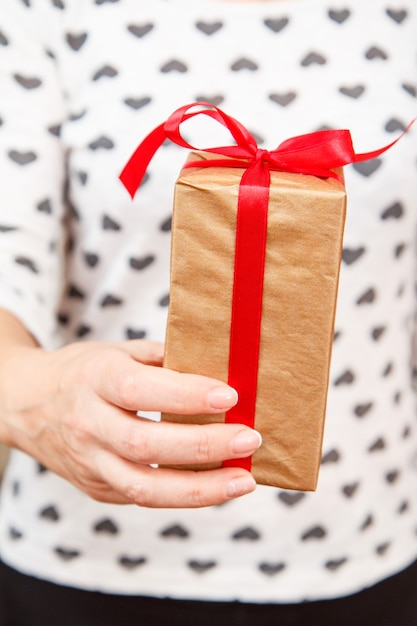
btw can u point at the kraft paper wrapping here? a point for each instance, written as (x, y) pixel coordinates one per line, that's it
(304, 245)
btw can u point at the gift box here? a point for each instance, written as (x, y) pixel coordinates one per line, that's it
(305, 223)
(256, 250)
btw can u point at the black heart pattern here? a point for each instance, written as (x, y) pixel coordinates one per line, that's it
(74, 117)
(200, 567)
(45, 206)
(382, 548)
(316, 532)
(271, 569)
(410, 89)
(362, 409)
(406, 432)
(350, 255)
(106, 70)
(28, 82)
(166, 225)
(377, 332)
(58, 4)
(209, 28)
(55, 130)
(392, 477)
(82, 330)
(141, 263)
(353, 92)
(140, 30)
(3, 39)
(174, 66)
(277, 24)
(291, 498)
(367, 297)
(398, 15)
(399, 250)
(63, 319)
(82, 177)
(106, 526)
(101, 143)
(76, 41)
(347, 378)
(350, 490)
(110, 300)
(313, 58)
(22, 158)
(110, 224)
(14, 533)
(339, 16)
(164, 301)
(283, 99)
(75, 293)
(333, 456)
(394, 211)
(216, 100)
(176, 530)
(394, 124)
(244, 64)
(137, 103)
(379, 444)
(91, 259)
(50, 513)
(135, 333)
(7, 229)
(388, 370)
(376, 53)
(369, 521)
(248, 533)
(66, 554)
(335, 564)
(367, 168)
(404, 506)
(25, 261)
(131, 563)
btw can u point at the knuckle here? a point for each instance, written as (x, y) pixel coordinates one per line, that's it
(139, 494)
(197, 498)
(180, 395)
(203, 447)
(137, 445)
(126, 387)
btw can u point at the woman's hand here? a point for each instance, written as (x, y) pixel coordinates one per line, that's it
(74, 410)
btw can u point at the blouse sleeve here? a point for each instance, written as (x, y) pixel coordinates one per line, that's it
(32, 169)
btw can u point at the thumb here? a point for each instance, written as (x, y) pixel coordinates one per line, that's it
(144, 351)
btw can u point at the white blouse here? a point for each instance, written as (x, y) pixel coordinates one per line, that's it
(81, 83)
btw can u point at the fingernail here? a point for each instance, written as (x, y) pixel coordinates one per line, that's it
(222, 397)
(246, 441)
(240, 486)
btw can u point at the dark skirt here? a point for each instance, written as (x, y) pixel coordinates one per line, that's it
(27, 601)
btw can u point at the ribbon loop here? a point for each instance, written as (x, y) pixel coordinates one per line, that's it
(317, 154)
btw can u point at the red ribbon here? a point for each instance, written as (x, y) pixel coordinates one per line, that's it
(316, 154)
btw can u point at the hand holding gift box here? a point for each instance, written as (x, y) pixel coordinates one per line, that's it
(256, 249)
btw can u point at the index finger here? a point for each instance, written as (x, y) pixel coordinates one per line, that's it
(134, 386)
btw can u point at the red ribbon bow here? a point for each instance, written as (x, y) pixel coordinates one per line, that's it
(316, 154)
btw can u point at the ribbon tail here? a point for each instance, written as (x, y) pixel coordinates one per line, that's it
(134, 170)
(365, 156)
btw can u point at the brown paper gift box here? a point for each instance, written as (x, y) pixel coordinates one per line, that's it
(306, 218)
